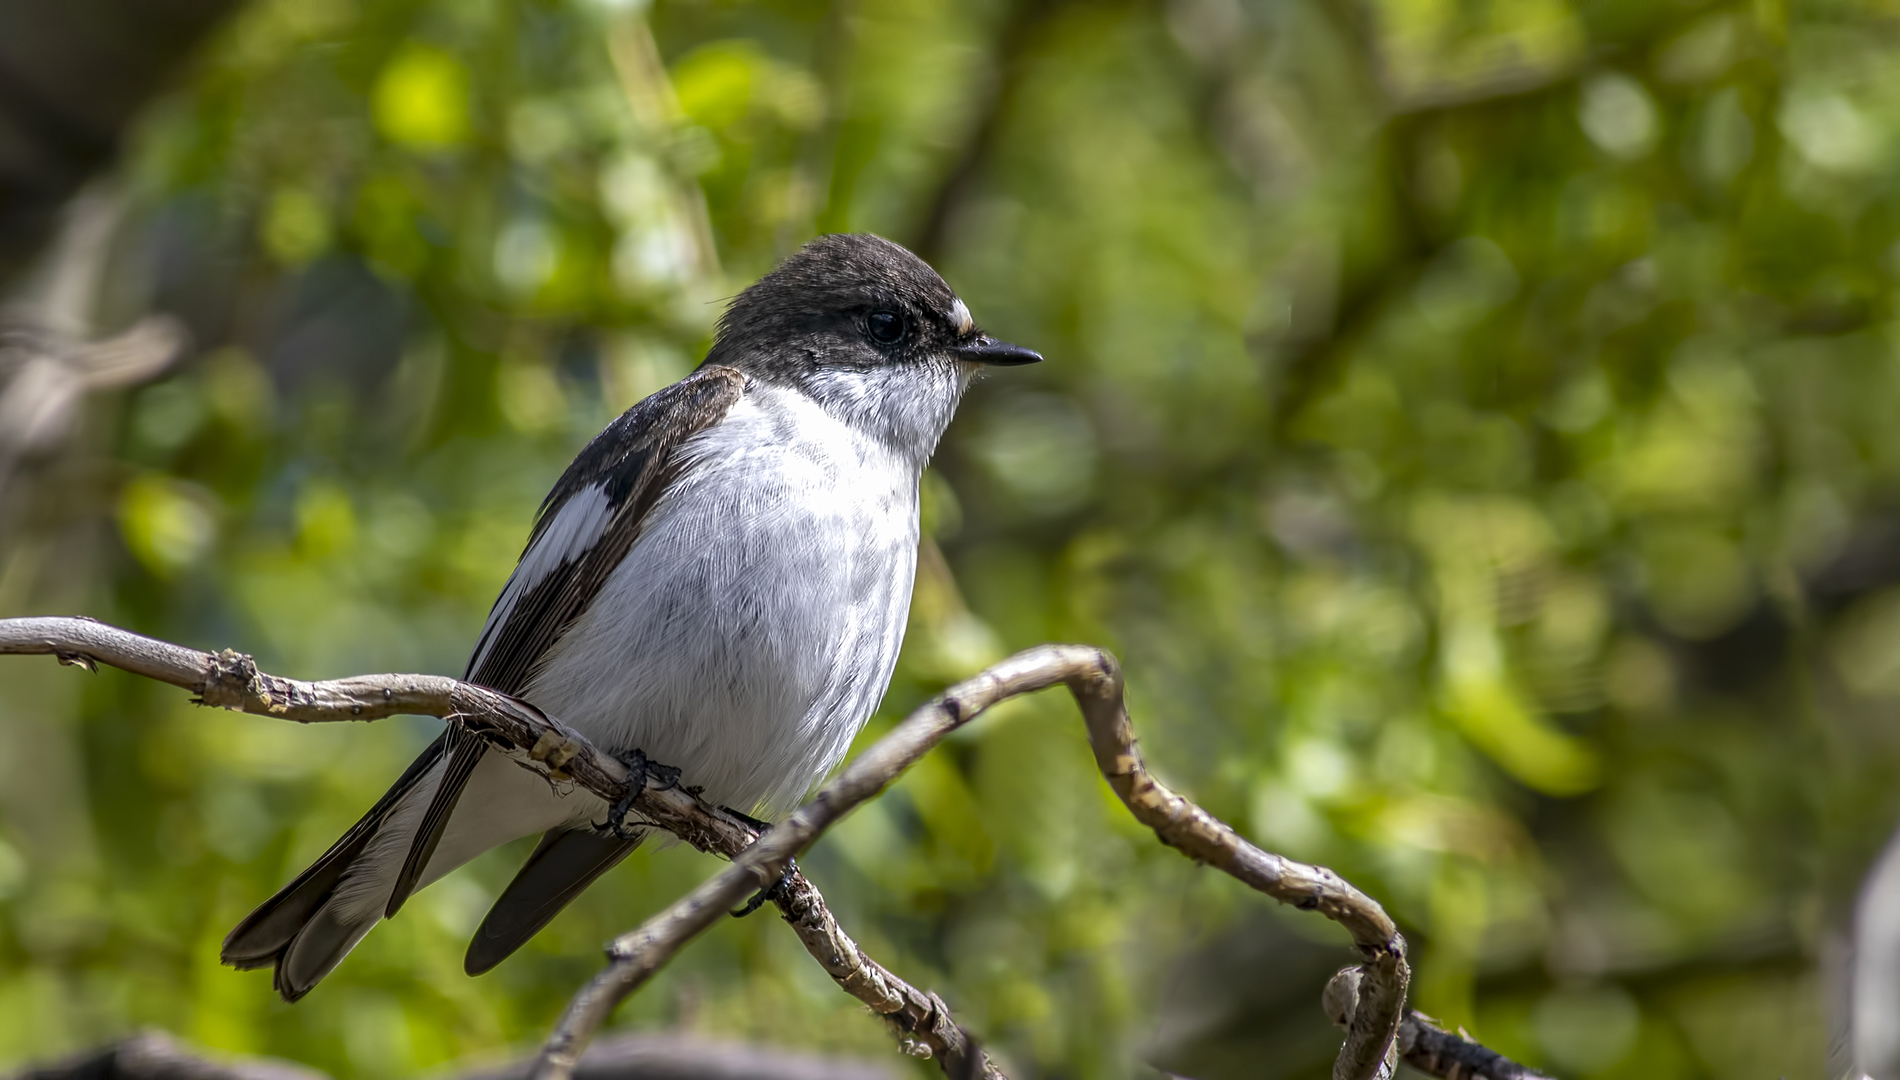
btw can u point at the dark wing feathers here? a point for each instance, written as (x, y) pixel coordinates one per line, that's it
(464, 753)
(633, 461)
(567, 861)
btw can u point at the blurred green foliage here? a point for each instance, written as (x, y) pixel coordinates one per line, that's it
(1473, 424)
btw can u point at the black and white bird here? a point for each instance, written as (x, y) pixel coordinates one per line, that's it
(720, 581)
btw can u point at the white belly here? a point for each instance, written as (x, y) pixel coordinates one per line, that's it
(754, 625)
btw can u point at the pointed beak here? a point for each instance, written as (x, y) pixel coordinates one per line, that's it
(984, 349)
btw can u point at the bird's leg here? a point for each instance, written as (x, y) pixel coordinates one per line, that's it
(641, 773)
(770, 892)
(638, 770)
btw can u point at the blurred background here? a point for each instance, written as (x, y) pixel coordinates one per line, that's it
(1475, 425)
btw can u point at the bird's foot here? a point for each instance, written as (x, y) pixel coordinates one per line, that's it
(639, 771)
(770, 892)
(660, 777)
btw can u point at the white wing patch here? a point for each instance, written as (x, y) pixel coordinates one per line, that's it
(576, 526)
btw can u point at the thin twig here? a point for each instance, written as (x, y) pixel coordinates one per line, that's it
(538, 742)
(1372, 1029)
(926, 1025)
(232, 680)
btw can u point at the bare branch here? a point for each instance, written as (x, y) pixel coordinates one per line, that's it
(1180, 824)
(924, 1022)
(1376, 1001)
(1094, 679)
(232, 680)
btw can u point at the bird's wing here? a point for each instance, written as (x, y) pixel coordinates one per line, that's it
(585, 528)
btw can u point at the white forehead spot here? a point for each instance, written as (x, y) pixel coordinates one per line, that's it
(962, 315)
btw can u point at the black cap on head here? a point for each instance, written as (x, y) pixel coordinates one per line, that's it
(851, 300)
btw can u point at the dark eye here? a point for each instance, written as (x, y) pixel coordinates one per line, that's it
(887, 327)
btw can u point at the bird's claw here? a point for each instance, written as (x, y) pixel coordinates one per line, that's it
(770, 892)
(639, 771)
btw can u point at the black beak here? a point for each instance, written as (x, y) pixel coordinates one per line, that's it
(985, 349)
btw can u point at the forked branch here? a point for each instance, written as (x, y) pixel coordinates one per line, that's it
(540, 743)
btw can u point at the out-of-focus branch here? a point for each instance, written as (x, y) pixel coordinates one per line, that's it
(154, 1055)
(71, 77)
(48, 362)
(1016, 37)
(44, 375)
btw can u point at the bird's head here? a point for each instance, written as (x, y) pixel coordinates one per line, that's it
(866, 328)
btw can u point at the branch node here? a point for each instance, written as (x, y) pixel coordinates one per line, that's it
(555, 750)
(76, 659)
(231, 681)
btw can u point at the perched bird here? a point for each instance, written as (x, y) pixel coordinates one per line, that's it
(719, 581)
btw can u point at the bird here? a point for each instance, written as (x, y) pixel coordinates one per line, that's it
(719, 582)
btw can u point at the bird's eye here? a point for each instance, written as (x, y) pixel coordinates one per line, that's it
(887, 327)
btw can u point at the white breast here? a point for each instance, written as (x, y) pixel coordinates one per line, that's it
(754, 625)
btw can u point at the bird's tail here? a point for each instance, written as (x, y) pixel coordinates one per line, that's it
(312, 923)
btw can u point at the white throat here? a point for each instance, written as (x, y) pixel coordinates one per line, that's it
(905, 407)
